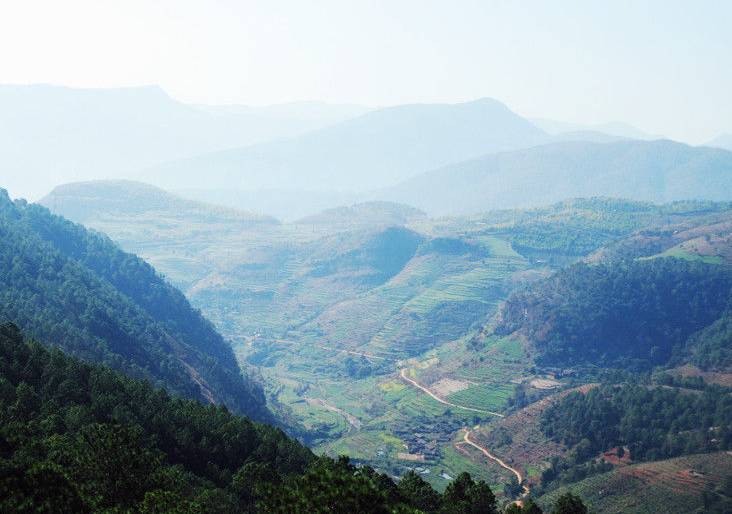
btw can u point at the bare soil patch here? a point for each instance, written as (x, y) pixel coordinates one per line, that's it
(518, 440)
(711, 377)
(446, 386)
(413, 457)
(544, 383)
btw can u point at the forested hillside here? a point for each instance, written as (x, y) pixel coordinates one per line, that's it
(652, 422)
(626, 314)
(76, 437)
(73, 288)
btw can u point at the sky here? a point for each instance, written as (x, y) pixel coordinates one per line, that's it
(662, 66)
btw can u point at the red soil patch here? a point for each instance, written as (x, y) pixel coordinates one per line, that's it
(528, 445)
(682, 481)
(710, 377)
(611, 456)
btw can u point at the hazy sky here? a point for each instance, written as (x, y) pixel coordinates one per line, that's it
(664, 66)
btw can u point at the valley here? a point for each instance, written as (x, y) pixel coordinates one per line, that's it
(365, 257)
(373, 329)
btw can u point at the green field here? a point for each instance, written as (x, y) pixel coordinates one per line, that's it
(294, 327)
(681, 253)
(483, 396)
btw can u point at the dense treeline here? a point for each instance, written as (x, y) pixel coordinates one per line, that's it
(628, 314)
(578, 227)
(68, 286)
(712, 346)
(85, 437)
(649, 422)
(77, 437)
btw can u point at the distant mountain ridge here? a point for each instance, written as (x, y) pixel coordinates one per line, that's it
(657, 171)
(616, 129)
(53, 134)
(373, 150)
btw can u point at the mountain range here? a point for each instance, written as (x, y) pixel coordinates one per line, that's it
(657, 171)
(53, 134)
(376, 149)
(293, 160)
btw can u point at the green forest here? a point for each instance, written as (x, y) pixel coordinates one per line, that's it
(68, 286)
(650, 422)
(628, 314)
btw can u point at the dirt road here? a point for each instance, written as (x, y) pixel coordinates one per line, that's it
(466, 437)
(350, 418)
(499, 461)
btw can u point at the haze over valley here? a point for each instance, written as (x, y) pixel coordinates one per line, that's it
(366, 257)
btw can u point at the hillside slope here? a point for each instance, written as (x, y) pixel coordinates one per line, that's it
(81, 438)
(706, 237)
(657, 171)
(367, 214)
(76, 437)
(65, 285)
(684, 485)
(84, 201)
(628, 314)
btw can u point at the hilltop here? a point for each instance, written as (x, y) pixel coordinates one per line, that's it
(84, 201)
(364, 215)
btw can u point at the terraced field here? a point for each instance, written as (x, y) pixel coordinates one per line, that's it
(327, 312)
(483, 396)
(298, 329)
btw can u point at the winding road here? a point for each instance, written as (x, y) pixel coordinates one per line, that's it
(466, 436)
(499, 461)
